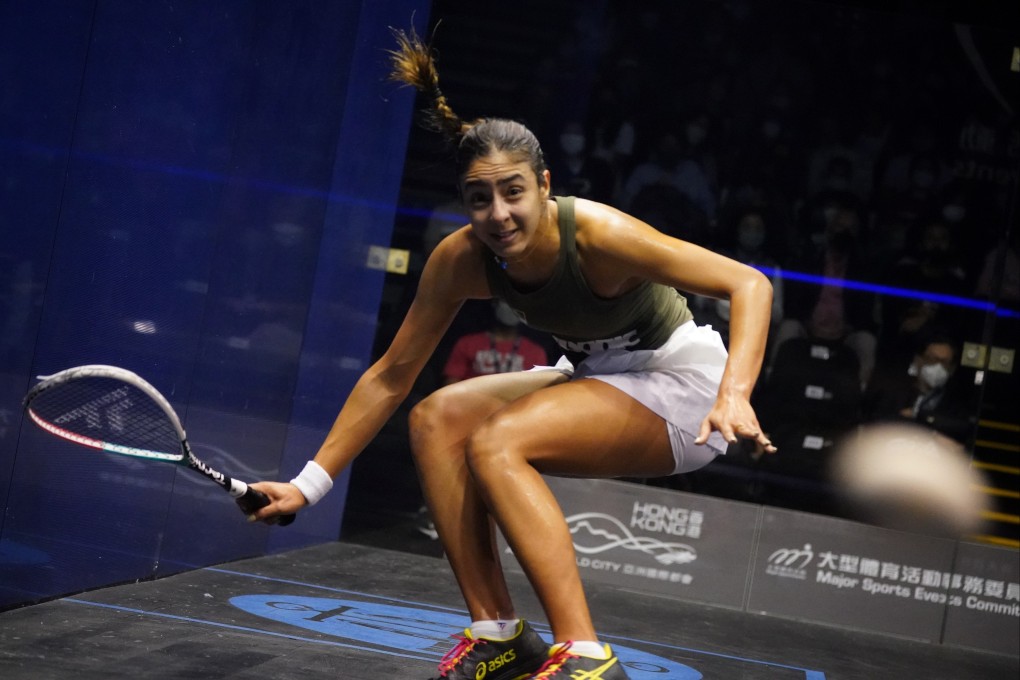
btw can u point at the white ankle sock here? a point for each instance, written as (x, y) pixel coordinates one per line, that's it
(589, 648)
(497, 629)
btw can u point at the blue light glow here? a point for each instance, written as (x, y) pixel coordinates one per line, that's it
(893, 291)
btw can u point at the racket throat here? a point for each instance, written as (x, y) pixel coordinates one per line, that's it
(234, 487)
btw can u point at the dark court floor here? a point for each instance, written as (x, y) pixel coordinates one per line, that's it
(351, 611)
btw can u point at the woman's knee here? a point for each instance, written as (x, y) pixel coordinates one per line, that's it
(426, 421)
(443, 417)
(490, 448)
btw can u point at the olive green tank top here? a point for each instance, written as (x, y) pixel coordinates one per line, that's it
(581, 322)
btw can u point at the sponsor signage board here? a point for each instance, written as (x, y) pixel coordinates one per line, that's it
(791, 564)
(985, 605)
(849, 574)
(656, 540)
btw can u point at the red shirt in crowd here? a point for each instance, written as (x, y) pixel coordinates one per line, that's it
(482, 354)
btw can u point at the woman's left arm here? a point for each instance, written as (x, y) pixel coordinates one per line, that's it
(750, 298)
(617, 248)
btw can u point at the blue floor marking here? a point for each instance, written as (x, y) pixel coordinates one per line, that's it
(245, 629)
(809, 674)
(335, 590)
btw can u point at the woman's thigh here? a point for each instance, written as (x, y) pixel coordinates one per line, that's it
(450, 414)
(584, 427)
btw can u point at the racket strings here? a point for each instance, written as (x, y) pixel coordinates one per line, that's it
(110, 411)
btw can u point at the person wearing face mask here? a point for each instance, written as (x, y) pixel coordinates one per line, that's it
(669, 165)
(499, 349)
(578, 171)
(925, 393)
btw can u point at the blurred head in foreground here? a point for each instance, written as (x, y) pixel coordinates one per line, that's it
(910, 478)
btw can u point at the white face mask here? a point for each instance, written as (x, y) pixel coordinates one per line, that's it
(934, 375)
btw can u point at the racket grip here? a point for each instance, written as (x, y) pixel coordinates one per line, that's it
(251, 500)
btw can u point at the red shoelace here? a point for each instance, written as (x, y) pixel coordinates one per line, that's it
(555, 662)
(453, 657)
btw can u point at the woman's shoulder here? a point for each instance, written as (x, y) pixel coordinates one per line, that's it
(599, 223)
(458, 259)
(458, 245)
(592, 214)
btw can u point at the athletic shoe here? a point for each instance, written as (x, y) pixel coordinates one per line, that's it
(424, 524)
(566, 665)
(513, 659)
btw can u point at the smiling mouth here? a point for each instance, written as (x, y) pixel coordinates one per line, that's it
(504, 237)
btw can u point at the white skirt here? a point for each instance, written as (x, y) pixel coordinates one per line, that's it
(679, 382)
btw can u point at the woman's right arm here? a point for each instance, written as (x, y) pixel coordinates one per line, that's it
(455, 272)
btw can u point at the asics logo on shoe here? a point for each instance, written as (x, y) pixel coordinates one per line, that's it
(486, 667)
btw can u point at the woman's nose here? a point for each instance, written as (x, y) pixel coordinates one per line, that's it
(500, 210)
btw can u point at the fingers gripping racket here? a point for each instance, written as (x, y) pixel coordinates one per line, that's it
(114, 410)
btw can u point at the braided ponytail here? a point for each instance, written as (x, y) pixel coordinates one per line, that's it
(413, 64)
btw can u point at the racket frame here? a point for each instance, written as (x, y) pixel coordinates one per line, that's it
(236, 488)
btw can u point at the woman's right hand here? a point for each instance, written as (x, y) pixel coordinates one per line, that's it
(284, 499)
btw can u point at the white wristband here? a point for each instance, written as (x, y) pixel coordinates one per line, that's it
(313, 482)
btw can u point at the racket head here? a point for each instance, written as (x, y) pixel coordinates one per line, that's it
(108, 408)
(112, 409)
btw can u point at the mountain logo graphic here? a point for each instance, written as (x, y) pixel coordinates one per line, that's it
(596, 532)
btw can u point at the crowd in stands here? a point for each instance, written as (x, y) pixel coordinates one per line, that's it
(827, 141)
(853, 156)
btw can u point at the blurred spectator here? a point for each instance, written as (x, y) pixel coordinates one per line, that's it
(665, 165)
(576, 171)
(929, 265)
(700, 147)
(500, 349)
(910, 183)
(611, 127)
(827, 311)
(918, 165)
(972, 229)
(671, 212)
(749, 244)
(771, 146)
(999, 279)
(848, 175)
(872, 136)
(835, 191)
(926, 392)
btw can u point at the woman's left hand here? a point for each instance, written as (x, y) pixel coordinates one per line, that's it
(733, 417)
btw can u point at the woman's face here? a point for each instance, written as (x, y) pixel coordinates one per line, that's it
(505, 202)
